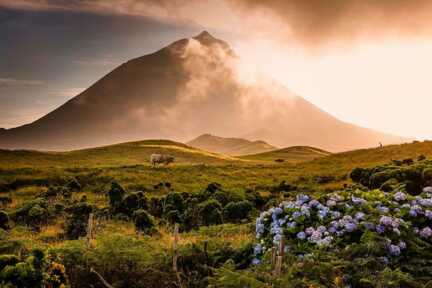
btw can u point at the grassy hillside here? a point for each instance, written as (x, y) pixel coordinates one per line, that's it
(230, 146)
(293, 154)
(117, 249)
(132, 153)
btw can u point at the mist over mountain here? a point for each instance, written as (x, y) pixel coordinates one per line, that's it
(193, 86)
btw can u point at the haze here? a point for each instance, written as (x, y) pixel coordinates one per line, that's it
(372, 70)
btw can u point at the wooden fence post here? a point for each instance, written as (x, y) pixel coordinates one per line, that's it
(279, 259)
(90, 230)
(273, 257)
(175, 254)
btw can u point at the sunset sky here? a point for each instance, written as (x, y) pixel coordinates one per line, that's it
(366, 62)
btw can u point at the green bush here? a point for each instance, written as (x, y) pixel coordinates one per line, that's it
(144, 222)
(427, 175)
(4, 220)
(237, 211)
(36, 216)
(77, 220)
(210, 212)
(115, 195)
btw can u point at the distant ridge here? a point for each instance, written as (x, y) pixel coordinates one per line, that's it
(294, 154)
(230, 146)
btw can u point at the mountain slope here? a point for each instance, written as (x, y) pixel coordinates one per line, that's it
(230, 146)
(293, 154)
(185, 89)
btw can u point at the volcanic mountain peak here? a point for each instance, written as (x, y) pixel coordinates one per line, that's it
(183, 90)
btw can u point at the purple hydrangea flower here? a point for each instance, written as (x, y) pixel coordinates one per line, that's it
(316, 236)
(256, 261)
(400, 196)
(380, 229)
(427, 189)
(358, 201)
(369, 226)
(350, 226)
(386, 220)
(383, 209)
(309, 230)
(359, 215)
(296, 214)
(394, 250)
(402, 245)
(426, 232)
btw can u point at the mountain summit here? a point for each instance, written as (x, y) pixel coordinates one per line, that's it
(190, 87)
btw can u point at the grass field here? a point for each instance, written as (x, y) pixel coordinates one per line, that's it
(26, 174)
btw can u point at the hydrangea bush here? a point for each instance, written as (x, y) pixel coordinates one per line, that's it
(392, 221)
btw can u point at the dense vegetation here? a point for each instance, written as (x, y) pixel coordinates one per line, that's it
(47, 199)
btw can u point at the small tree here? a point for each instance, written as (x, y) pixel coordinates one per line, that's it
(210, 212)
(36, 215)
(77, 220)
(237, 211)
(144, 222)
(116, 194)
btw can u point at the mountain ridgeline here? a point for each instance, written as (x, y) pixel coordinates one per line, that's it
(186, 89)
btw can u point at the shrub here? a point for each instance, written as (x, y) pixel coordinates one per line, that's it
(360, 175)
(4, 220)
(389, 185)
(36, 216)
(427, 175)
(210, 212)
(116, 194)
(213, 187)
(144, 222)
(130, 203)
(73, 185)
(237, 211)
(77, 220)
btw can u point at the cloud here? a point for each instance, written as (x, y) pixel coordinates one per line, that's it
(9, 82)
(317, 22)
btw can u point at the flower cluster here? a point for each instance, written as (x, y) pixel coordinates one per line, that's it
(340, 218)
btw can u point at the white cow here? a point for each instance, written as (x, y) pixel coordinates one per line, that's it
(161, 159)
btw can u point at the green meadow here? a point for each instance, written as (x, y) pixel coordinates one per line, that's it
(214, 198)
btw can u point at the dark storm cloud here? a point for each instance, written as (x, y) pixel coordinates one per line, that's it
(324, 21)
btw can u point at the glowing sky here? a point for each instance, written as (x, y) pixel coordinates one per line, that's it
(365, 63)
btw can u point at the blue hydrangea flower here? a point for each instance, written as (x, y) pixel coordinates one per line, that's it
(301, 235)
(257, 249)
(301, 198)
(350, 226)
